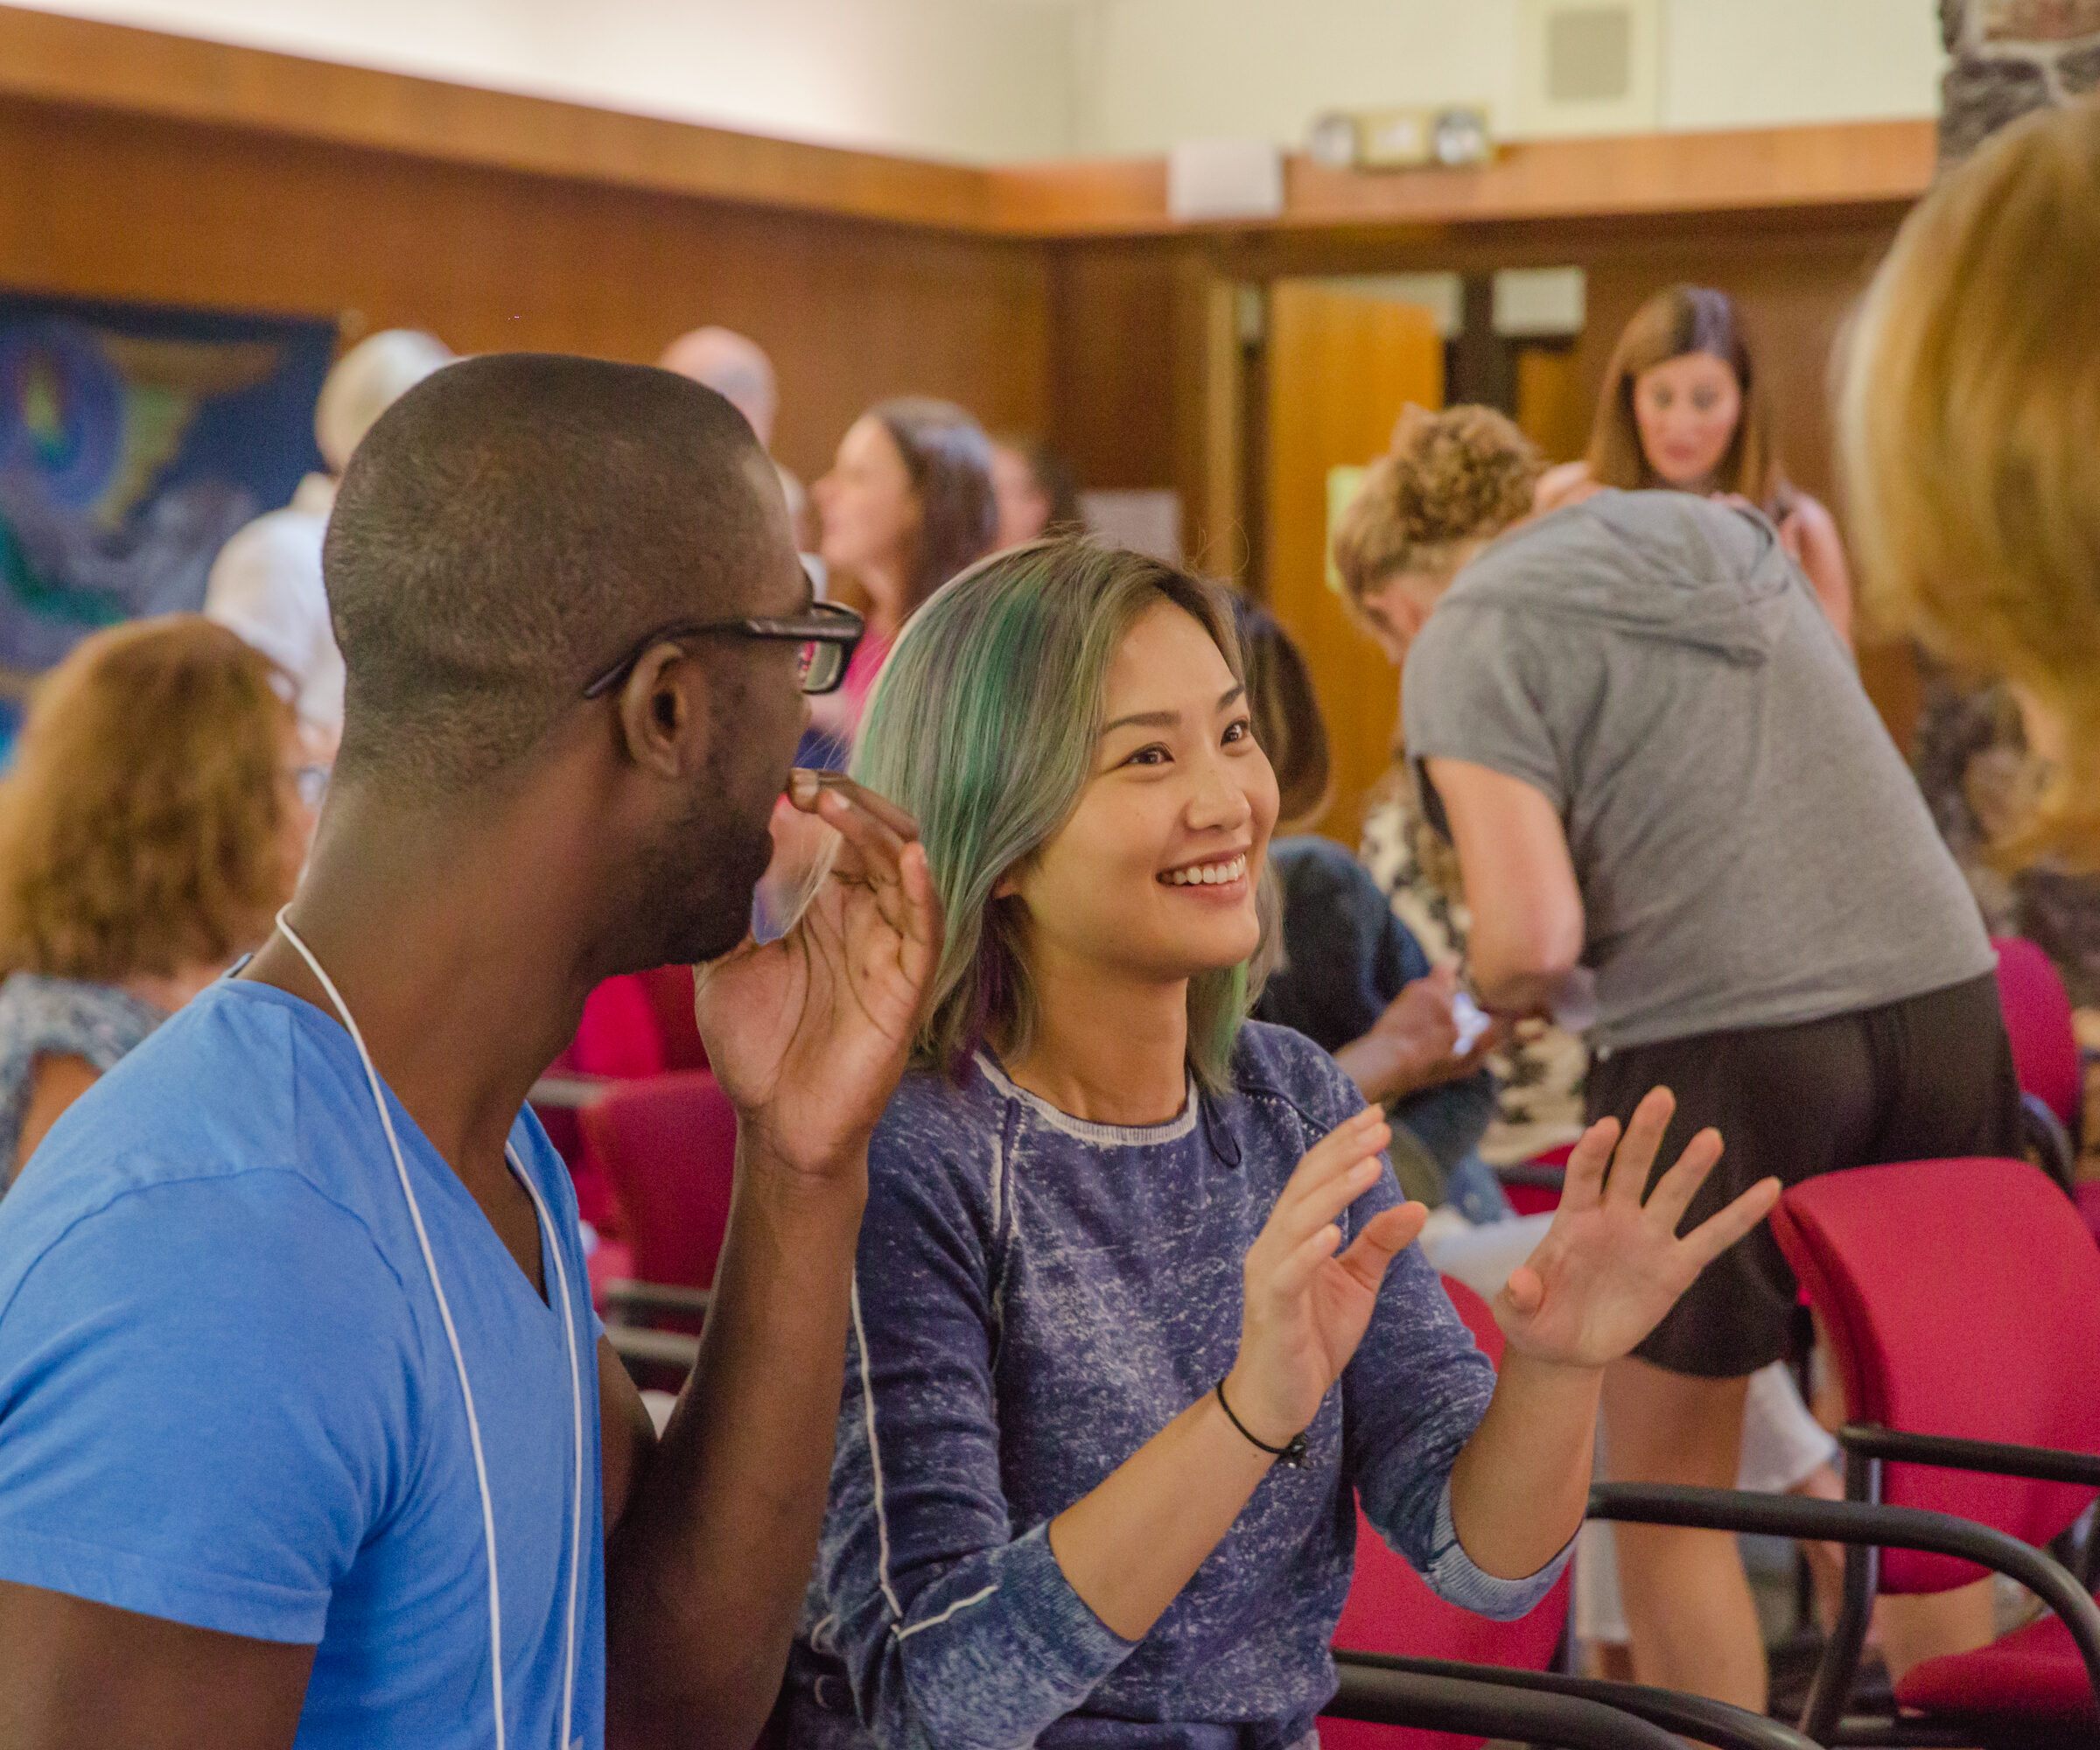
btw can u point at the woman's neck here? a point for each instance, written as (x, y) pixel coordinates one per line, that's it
(886, 584)
(1110, 1050)
(169, 991)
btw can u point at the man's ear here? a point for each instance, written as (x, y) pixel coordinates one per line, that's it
(660, 711)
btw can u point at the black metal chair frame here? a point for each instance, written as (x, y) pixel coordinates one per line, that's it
(1541, 1707)
(648, 1352)
(1867, 1526)
(2048, 1141)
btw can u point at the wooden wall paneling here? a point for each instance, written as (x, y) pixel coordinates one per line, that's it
(125, 206)
(1112, 322)
(1550, 404)
(1341, 368)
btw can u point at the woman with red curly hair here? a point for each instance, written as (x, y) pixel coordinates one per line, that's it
(156, 816)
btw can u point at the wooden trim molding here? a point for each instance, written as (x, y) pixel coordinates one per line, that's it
(1834, 165)
(51, 59)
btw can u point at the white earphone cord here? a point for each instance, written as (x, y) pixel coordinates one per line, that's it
(466, 1393)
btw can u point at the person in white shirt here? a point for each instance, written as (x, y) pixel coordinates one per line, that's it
(266, 583)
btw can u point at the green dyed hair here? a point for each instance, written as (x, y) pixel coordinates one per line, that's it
(983, 725)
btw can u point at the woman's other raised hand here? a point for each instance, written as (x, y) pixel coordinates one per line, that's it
(1613, 1263)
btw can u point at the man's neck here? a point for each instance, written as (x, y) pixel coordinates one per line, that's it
(1108, 1048)
(447, 946)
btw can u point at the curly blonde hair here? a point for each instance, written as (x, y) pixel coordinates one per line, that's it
(142, 825)
(1462, 475)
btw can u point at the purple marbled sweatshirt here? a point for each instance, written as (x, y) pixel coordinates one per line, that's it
(1035, 1298)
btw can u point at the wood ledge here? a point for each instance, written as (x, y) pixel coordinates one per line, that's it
(48, 58)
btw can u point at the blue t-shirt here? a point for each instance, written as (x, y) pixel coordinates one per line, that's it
(226, 1397)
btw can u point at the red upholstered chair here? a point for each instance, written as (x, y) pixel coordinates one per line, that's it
(616, 1038)
(1961, 1302)
(1401, 1652)
(1391, 1610)
(620, 1034)
(669, 990)
(1534, 1187)
(669, 1143)
(2045, 1053)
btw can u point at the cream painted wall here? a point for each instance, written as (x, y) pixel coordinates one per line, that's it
(974, 80)
(995, 79)
(1155, 71)
(1759, 63)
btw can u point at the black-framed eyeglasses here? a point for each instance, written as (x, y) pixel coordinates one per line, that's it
(826, 632)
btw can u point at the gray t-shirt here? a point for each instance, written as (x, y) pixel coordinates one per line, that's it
(1751, 849)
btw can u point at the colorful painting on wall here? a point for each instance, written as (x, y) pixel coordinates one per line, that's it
(133, 441)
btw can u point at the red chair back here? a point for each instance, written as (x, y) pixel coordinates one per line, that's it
(1961, 1298)
(669, 1145)
(670, 989)
(2038, 1021)
(1391, 1610)
(619, 1034)
(1538, 1200)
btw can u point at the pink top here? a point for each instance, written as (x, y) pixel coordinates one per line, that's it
(868, 655)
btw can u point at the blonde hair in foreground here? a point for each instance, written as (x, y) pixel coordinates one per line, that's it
(1464, 474)
(983, 727)
(141, 828)
(1969, 435)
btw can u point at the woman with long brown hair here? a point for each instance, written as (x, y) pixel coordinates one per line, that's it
(1685, 407)
(907, 504)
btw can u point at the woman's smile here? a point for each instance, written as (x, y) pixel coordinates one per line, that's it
(1218, 878)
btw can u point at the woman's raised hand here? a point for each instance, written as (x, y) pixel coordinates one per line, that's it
(1306, 1309)
(1612, 1265)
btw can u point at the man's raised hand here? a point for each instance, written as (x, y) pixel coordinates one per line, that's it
(809, 1034)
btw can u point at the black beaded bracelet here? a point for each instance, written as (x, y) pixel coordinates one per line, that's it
(1291, 1452)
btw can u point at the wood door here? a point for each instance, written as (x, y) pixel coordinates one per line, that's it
(1339, 368)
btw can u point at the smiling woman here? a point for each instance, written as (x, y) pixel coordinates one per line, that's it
(973, 731)
(1126, 1252)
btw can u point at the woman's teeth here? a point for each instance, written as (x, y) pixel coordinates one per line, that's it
(1206, 874)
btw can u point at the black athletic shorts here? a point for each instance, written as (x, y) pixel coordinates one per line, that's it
(1928, 1078)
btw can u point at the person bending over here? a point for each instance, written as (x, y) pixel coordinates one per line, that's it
(1683, 407)
(1135, 1307)
(1449, 483)
(1673, 804)
(307, 1432)
(160, 810)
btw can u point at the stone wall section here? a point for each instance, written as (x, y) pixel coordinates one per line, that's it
(2012, 56)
